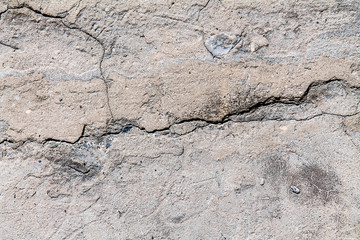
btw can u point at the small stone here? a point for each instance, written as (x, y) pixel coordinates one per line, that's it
(53, 145)
(126, 128)
(258, 42)
(295, 189)
(78, 166)
(262, 181)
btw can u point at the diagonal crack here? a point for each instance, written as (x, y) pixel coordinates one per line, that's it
(206, 4)
(9, 46)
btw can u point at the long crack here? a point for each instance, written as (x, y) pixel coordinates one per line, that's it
(270, 101)
(24, 5)
(296, 101)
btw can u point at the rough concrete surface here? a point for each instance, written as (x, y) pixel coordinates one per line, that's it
(206, 119)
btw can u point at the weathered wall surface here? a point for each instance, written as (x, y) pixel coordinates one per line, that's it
(179, 119)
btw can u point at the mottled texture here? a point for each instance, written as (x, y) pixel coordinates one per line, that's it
(187, 119)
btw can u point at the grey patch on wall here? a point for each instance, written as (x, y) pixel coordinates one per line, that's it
(317, 185)
(74, 161)
(3, 127)
(275, 167)
(221, 44)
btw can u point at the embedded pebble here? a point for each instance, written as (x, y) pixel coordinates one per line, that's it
(221, 44)
(295, 189)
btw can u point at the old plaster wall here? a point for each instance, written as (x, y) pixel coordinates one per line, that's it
(179, 119)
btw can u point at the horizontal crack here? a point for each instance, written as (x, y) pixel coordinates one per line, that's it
(267, 103)
(296, 101)
(24, 5)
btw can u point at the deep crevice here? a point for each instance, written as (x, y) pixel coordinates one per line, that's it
(267, 102)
